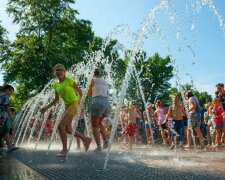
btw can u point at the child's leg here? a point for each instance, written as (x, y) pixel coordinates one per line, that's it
(189, 139)
(148, 135)
(78, 143)
(131, 139)
(223, 136)
(169, 136)
(163, 134)
(199, 135)
(120, 140)
(185, 132)
(217, 136)
(214, 138)
(208, 134)
(8, 141)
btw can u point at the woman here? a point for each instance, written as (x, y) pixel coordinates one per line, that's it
(65, 88)
(99, 109)
(195, 119)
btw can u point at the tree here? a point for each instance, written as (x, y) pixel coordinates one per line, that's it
(118, 65)
(49, 34)
(4, 44)
(154, 73)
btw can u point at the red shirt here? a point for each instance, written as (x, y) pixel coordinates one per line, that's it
(218, 111)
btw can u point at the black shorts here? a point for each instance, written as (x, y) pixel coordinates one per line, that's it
(185, 121)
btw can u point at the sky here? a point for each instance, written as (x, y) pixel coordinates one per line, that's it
(207, 53)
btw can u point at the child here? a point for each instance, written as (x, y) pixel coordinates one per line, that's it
(223, 137)
(211, 125)
(108, 127)
(131, 126)
(138, 123)
(120, 128)
(176, 113)
(159, 113)
(149, 130)
(218, 119)
(48, 127)
(5, 114)
(208, 116)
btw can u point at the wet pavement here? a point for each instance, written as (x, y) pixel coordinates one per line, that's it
(11, 169)
(141, 163)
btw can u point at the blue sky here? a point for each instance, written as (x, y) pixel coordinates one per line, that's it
(209, 47)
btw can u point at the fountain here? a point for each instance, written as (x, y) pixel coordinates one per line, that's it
(83, 72)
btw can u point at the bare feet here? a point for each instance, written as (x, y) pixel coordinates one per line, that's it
(87, 143)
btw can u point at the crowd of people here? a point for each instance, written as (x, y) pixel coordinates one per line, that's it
(176, 126)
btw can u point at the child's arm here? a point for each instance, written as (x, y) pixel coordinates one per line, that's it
(55, 101)
(169, 114)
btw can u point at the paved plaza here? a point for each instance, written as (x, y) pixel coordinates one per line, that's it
(141, 163)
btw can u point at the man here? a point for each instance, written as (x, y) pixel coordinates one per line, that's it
(5, 116)
(99, 109)
(220, 92)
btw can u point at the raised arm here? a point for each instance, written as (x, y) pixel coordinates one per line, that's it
(192, 105)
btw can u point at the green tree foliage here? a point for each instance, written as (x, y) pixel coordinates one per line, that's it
(203, 97)
(49, 34)
(118, 64)
(4, 44)
(155, 73)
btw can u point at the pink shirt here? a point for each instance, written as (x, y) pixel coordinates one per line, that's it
(161, 114)
(218, 111)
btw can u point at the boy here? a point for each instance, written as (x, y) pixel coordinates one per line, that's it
(5, 114)
(131, 128)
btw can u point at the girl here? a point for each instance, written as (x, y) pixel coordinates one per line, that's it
(161, 117)
(208, 115)
(195, 119)
(218, 119)
(65, 88)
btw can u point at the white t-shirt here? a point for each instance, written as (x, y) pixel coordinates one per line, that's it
(100, 88)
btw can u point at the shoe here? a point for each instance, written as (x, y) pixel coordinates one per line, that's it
(61, 154)
(106, 145)
(13, 149)
(98, 149)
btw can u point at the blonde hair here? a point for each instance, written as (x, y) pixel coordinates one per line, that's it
(131, 103)
(59, 66)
